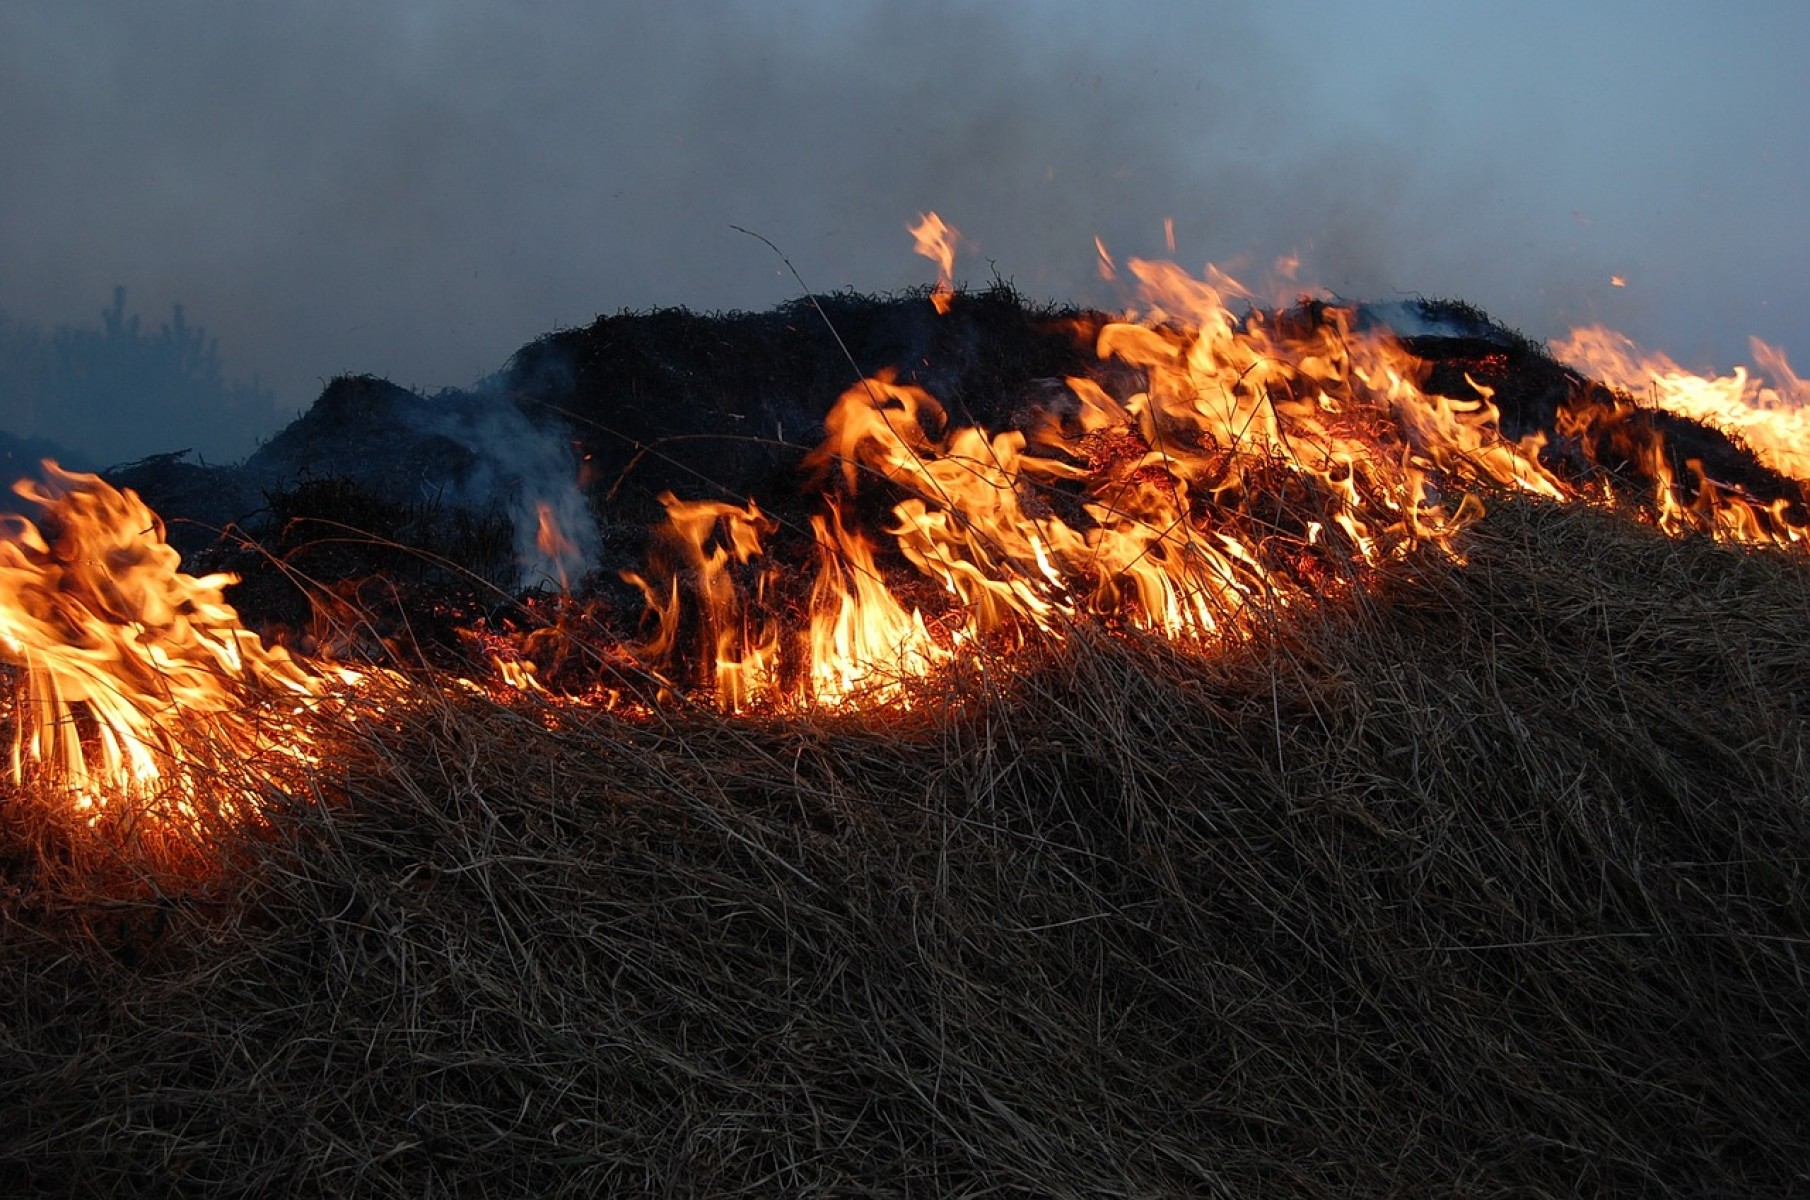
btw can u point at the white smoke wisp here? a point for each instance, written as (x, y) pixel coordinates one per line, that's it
(533, 470)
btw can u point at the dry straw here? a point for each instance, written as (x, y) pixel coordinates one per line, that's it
(1494, 881)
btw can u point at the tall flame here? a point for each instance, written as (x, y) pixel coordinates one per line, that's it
(133, 676)
(936, 240)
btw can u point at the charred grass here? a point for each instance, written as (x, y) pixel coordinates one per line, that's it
(1493, 882)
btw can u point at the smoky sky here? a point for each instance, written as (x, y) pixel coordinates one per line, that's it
(416, 189)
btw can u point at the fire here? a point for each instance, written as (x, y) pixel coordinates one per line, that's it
(1265, 460)
(863, 644)
(1771, 412)
(707, 536)
(137, 687)
(1222, 469)
(555, 547)
(859, 641)
(1264, 463)
(936, 241)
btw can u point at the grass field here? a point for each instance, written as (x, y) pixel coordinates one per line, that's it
(1494, 880)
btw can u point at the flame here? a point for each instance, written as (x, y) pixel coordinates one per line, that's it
(1222, 470)
(859, 641)
(1261, 466)
(863, 644)
(1266, 460)
(1770, 413)
(936, 241)
(553, 544)
(138, 688)
(707, 536)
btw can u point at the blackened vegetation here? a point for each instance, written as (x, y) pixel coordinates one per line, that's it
(726, 407)
(367, 500)
(324, 583)
(1593, 432)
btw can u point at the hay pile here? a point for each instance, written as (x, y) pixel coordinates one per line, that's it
(1496, 882)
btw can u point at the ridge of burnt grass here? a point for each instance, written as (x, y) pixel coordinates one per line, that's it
(1531, 390)
(725, 405)
(1493, 881)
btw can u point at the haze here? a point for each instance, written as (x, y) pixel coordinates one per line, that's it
(415, 189)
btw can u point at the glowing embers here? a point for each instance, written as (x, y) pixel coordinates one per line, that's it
(138, 695)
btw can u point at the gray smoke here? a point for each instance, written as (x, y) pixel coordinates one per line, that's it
(415, 188)
(533, 470)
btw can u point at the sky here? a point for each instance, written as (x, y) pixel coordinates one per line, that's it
(416, 188)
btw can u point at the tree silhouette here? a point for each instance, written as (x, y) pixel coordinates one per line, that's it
(118, 392)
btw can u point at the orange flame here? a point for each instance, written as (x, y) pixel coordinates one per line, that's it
(936, 241)
(1770, 412)
(553, 544)
(740, 656)
(1267, 460)
(137, 682)
(863, 644)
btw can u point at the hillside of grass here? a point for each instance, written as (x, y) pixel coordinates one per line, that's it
(1491, 880)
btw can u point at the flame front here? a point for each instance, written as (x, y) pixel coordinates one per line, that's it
(1259, 467)
(136, 682)
(1769, 412)
(1219, 471)
(1266, 460)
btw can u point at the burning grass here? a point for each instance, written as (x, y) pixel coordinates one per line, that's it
(1491, 880)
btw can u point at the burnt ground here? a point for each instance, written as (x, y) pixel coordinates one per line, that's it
(380, 489)
(727, 406)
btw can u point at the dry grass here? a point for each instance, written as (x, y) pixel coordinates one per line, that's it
(1496, 883)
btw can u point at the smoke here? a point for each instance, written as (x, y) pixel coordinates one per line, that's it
(532, 470)
(416, 189)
